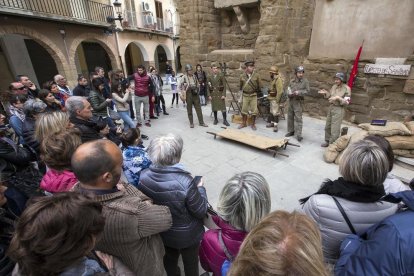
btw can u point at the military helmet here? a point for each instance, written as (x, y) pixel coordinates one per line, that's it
(274, 70)
(299, 69)
(340, 76)
(188, 67)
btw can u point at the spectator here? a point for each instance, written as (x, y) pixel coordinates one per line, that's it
(133, 223)
(168, 183)
(202, 81)
(80, 113)
(52, 104)
(168, 71)
(41, 250)
(32, 90)
(174, 82)
(159, 98)
(391, 184)
(135, 157)
(17, 115)
(49, 124)
(385, 248)
(63, 85)
(97, 99)
(121, 100)
(281, 244)
(106, 90)
(19, 88)
(59, 95)
(57, 151)
(32, 110)
(243, 202)
(354, 197)
(82, 89)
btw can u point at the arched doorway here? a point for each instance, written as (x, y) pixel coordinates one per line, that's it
(22, 55)
(160, 57)
(135, 54)
(89, 55)
(178, 59)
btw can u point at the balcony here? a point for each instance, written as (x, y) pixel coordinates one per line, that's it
(74, 11)
(137, 21)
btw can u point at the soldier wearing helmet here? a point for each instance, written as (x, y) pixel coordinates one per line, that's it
(275, 94)
(191, 88)
(338, 97)
(250, 85)
(297, 89)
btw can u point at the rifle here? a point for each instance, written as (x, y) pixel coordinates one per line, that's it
(223, 68)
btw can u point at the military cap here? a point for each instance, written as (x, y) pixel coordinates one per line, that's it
(274, 70)
(213, 64)
(249, 63)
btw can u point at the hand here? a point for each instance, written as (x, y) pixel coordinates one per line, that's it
(118, 130)
(200, 184)
(323, 91)
(296, 93)
(108, 260)
(331, 99)
(32, 86)
(209, 97)
(108, 100)
(153, 99)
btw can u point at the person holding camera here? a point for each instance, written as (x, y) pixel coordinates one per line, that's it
(191, 88)
(339, 96)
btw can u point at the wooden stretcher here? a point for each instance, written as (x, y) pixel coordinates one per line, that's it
(256, 141)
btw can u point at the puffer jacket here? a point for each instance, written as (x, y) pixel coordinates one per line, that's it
(171, 186)
(211, 252)
(334, 229)
(99, 104)
(55, 182)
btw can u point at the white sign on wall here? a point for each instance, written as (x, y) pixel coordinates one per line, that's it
(383, 69)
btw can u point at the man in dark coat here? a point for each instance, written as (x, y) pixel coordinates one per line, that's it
(217, 94)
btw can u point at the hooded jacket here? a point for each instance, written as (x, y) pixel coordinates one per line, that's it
(55, 182)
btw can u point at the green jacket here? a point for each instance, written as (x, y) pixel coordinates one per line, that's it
(98, 103)
(253, 86)
(276, 89)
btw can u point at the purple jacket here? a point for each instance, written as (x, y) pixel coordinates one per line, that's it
(211, 253)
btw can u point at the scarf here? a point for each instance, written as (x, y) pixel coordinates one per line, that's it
(350, 191)
(17, 112)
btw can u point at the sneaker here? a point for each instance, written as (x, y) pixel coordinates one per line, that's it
(148, 124)
(144, 137)
(166, 113)
(203, 125)
(325, 145)
(138, 125)
(289, 134)
(226, 123)
(153, 117)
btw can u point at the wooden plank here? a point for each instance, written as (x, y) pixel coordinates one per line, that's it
(253, 140)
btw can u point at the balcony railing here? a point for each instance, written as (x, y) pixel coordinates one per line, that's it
(135, 20)
(83, 10)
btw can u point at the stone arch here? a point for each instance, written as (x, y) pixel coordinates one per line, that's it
(61, 61)
(167, 51)
(144, 51)
(94, 38)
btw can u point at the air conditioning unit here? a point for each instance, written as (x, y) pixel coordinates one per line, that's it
(149, 19)
(145, 7)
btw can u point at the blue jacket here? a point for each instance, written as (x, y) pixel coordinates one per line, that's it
(386, 248)
(172, 186)
(135, 160)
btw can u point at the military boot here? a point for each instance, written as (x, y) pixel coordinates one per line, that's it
(254, 123)
(225, 119)
(244, 124)
(270, 120)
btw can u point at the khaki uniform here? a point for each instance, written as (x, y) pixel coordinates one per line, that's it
(249, 93)
(336, 112)
(275, 93)
(294, 120)
(191, 87)
(216, 91)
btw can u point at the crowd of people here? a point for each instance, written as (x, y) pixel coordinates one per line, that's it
(81, 195)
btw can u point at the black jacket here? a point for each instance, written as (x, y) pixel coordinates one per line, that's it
(89, 129)
(28, 134)
(81, 90)
(172, 187)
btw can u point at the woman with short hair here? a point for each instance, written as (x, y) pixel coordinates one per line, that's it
(39, 249)
(52, 103)
(243, 202)
(51, 123)
(168, 183)
(352, 203)
(281, 244)
(32, 109)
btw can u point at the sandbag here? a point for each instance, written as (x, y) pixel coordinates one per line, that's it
(391, 129)
(330, 154)
(404, 153)
(338, 158)
(410, 126)
(357, 136)
(401, 142)
(342, 142)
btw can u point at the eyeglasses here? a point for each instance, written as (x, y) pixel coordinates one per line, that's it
(20, 88)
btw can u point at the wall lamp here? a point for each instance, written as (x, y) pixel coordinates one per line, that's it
(118, 10)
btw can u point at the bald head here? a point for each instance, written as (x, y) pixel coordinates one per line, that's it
(98, 163)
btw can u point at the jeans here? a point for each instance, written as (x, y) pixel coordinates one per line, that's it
(128, 123)
(17, 125)
(138, 101)
(190, 260)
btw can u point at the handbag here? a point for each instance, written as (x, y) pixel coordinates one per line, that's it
(341, 209)
(114, 115)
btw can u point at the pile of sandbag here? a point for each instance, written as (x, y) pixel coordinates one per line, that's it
(400, 136)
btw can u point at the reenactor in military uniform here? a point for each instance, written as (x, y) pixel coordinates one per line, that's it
(297, 89)
(250, 85)
(275, 94)
(217, 94)
(338, 97)
(191, 88)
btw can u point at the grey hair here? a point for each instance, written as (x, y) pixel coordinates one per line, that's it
(365, 163)
(165, 150)
(57, 77)
(74, 104)
(244, 200)
(33, 107)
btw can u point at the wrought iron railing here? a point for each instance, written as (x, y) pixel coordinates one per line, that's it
(134, 20)
(72, 9)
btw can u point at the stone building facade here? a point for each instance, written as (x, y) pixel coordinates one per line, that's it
(319, 34)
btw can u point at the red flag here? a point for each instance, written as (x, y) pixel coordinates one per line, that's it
(354, 71)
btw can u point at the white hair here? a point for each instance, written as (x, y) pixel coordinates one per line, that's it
(165, 150)
(244, 200)
(74, 104)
